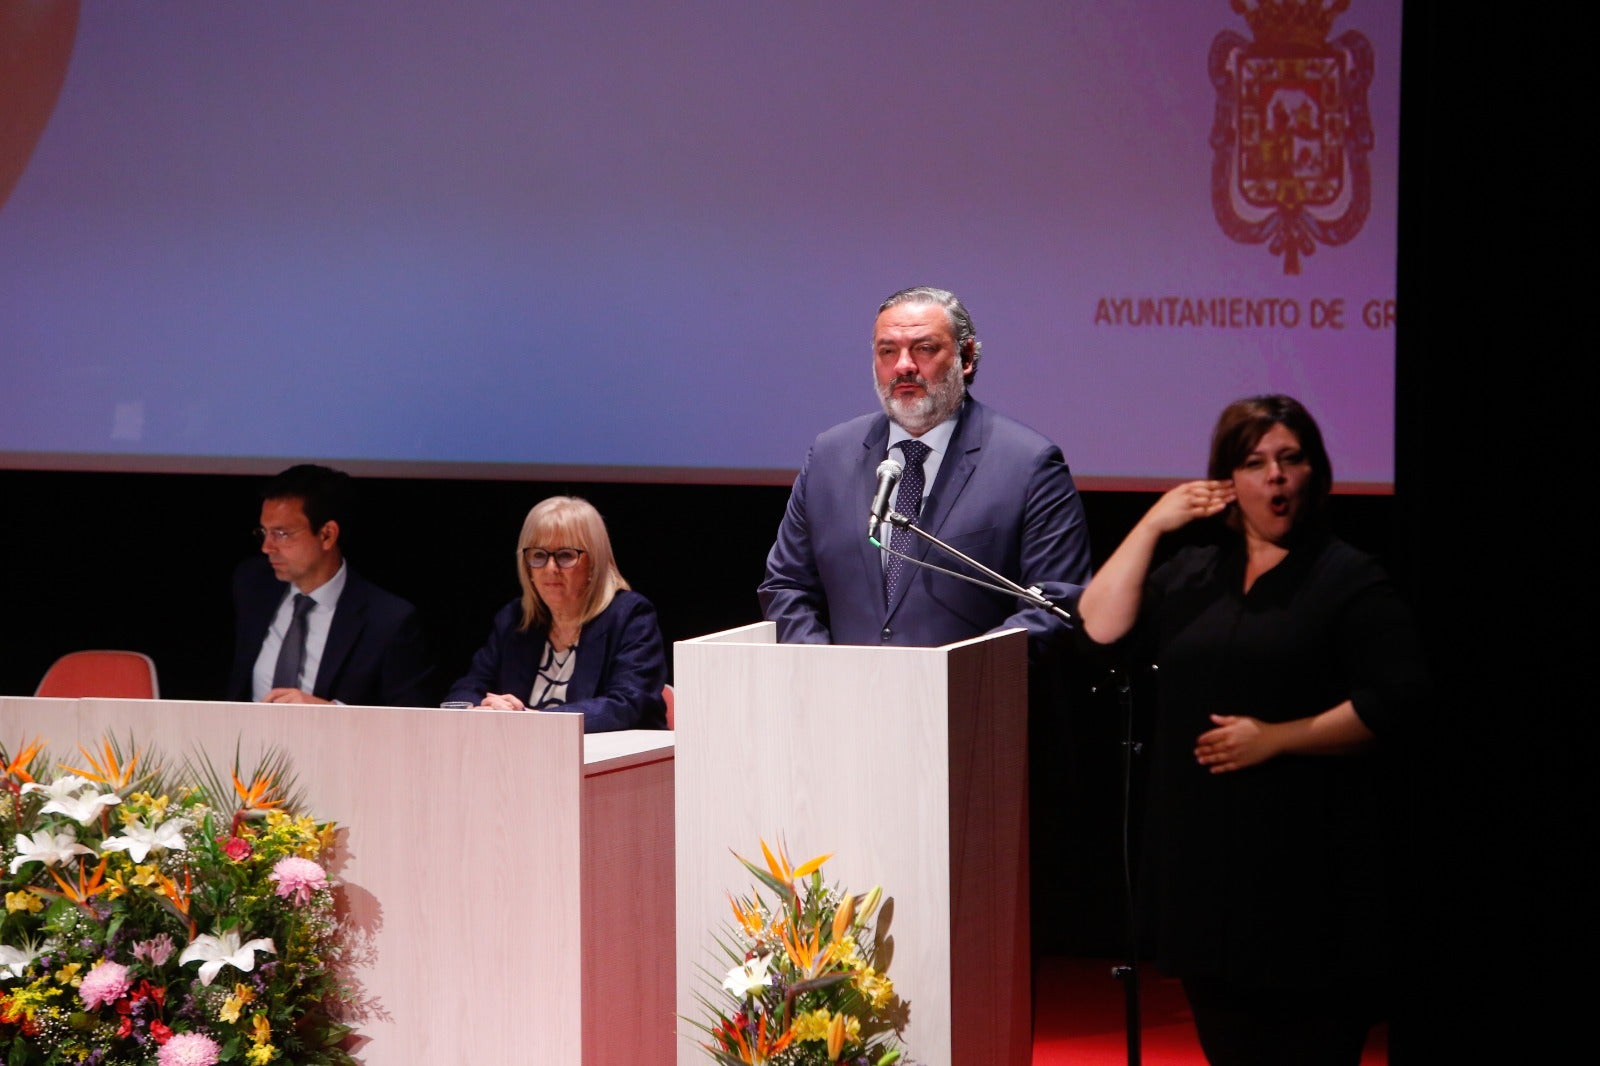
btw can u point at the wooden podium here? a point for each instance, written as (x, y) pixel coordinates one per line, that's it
(910, 766)
(510, 878)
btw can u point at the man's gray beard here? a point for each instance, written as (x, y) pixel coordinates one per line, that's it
(917, 416)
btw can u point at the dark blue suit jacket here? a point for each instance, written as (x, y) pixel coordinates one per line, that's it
(1003, 496)
(616, 682)
(374, 655)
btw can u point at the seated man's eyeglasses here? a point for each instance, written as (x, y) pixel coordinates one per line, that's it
(278, 536)
(565, 558)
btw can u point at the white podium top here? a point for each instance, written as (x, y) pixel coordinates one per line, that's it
(603, 752)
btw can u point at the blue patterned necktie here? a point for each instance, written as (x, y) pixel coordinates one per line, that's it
(292, 656)
(908, 502)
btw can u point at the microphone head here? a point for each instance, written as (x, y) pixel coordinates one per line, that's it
(890, 468)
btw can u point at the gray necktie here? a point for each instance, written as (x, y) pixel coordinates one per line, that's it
(908, 502)
(292, 656)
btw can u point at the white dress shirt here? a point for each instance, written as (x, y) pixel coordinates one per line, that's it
(318, 620)
(938, 441)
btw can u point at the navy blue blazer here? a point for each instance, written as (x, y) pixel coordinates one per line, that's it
(1003, 496)
(616, 681)
(374, 656)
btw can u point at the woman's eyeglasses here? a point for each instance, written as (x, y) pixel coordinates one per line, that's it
(538, 558)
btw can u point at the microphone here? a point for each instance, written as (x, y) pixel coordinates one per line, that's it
(889, 472)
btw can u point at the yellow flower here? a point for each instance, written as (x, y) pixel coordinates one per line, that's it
(28, 1002)
(23, 901)
(242, 994)
(877, 988)
(68, 974)
(824, 1027)
(142, 805)
(262, 1029)
(847, 953)
(812, 1025)
(260, 1054)
(145, 874)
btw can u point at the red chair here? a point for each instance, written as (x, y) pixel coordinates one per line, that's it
(666, 694)
(109, 674)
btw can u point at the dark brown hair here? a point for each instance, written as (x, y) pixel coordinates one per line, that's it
(1240, 428)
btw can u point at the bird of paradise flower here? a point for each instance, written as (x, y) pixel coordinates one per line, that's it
(801, 980)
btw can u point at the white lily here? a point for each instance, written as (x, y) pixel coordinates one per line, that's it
(81, 809)
(748, 979)
(14, 961)
(139, 840)
(60, 788)
(217, 952)
(48, 848)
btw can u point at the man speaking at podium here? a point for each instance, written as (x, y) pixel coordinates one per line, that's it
(986, 485)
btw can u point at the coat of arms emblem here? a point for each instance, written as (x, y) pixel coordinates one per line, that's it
(1292, 133)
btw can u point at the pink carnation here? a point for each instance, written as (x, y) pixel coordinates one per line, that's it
(297, 878)
(104, 985)
(189, 1049)
(236, 848)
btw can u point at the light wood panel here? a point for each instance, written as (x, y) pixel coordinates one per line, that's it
(907, 763)
(494, 867)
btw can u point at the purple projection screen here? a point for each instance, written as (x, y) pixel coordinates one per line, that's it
(646, 241)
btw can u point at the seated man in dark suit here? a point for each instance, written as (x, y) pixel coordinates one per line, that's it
(987, 485)
(308, 628)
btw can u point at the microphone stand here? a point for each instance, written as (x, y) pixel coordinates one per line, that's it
(997, 582)
(1127, 972)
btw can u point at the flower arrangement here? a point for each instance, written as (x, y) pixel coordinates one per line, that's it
(163, 920)
(805, 987)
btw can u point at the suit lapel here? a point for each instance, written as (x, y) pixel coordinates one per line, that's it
(259, 619)
(254, 622)
(864, 488)
(959, 462)
(592, 654)
(349, 614)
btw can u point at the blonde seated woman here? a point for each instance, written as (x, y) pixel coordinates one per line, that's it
(578, 639)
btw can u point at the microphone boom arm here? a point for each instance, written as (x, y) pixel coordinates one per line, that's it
(997, 582)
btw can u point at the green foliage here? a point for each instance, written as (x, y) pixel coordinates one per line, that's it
(126, 886)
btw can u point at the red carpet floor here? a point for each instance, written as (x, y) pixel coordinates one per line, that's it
(1079, 1019)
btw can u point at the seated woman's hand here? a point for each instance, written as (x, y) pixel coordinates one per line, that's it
(498, 701)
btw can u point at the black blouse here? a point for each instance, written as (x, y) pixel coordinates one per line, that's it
(1272, 874)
